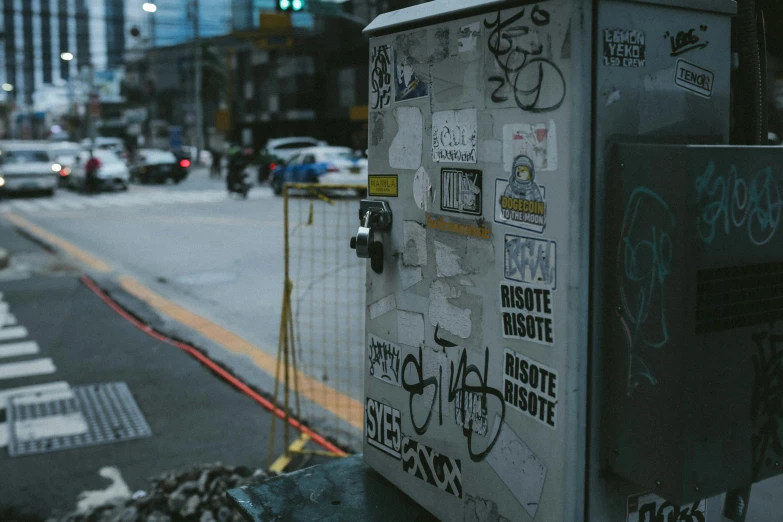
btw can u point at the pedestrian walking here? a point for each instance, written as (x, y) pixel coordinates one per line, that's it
(91, 175)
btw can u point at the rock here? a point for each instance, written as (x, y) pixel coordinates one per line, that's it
(176, 502)
(157, 516)
(207, 516)
(129, 514)
(203, 480)
(224, 514)
(187, 488)
(191, 506)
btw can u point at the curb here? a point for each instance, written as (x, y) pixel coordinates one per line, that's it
(4, 258)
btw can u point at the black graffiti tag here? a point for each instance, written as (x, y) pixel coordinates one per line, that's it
(380, 77)
(668, 512)
(686, 41)
(520, 57)
(387, 358)
(767, 399)
(458, 389)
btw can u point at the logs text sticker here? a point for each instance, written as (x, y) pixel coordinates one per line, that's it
(530, 260)
(526, 313)
(624, 48)
(436, 469)
(648, 507)
(530, 387)
(536, 141)
(382, 425)
(382, 185)
(519, 200)
(693, 78)
(470, 411)
(518, 467)
(384, 360)
(380, 77)
(454, 136)
(460, 190)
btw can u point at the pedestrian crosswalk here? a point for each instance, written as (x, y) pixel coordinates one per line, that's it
(68, 201)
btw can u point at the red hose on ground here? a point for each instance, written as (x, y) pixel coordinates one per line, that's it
(209, 363)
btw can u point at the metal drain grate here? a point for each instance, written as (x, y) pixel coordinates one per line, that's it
(90, 415)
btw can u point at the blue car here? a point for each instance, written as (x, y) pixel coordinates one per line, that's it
(324, 165)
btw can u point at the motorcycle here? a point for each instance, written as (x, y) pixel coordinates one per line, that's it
(237, 182)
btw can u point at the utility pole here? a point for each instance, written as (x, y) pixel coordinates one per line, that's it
(197, 90)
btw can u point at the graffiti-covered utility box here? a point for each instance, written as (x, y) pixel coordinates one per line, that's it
(489, 126)
(696, 287)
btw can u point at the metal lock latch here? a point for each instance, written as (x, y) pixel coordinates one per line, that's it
(374, 216)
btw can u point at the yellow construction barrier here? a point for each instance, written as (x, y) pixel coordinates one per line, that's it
(321, 347)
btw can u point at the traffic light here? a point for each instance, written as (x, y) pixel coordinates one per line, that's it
(290, 5)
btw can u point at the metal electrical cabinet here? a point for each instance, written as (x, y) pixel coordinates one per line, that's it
(490, 128)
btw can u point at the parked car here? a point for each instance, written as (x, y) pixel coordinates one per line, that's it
(325, 165)
(27, 167)
(116, 145)
(280, 151)
(64, 154)
(159, 166)
(112, 173)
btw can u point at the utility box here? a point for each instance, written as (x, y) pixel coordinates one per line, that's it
(489, 366)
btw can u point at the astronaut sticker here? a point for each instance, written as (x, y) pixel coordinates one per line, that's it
(519, 201)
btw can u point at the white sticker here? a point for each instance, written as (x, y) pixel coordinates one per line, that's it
(454, 136)
(695, 79)
(447, 261)
(382, 306)
(530, 260)
(414, 237)
(450, 317)
(467, 37)
(405, 148)
(423, 193)
(530, 387)
(526, 313)
(380, 77)
(536, 141)
(624, 48)
(519, 200)
(384, 360)
(409, 275)
(518, 467)
(646, 506)
(410, 328)
(383, 427)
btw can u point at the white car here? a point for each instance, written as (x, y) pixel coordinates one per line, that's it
(64, 154)
(287, 148)
(27, 167)
(113, 173)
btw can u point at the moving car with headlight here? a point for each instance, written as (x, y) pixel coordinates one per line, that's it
(112, 173)
(325, 165)
(158, 166)
(27, 167)
(65, 154)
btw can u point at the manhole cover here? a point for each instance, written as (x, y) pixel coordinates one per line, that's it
(206, 278)
(83, 416)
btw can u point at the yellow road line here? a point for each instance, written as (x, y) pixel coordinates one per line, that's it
(75, 252)
(344, 407)
(282, 462)
(341, 405)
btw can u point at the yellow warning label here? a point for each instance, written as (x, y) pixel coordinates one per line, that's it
(383, 185)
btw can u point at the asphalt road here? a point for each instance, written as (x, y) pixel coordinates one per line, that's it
(194, 416)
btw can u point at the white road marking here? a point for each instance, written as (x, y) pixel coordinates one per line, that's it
(10, 320)
(118, 489)
(3, 434)
(72, 204)
(34, 389)
(14, 332)
(64, 425)
(25, 205)
(17, 349)
(27, 368)
(3, 306)
(49, 205)
(39, 397)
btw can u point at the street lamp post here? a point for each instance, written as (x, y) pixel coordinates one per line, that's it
(197, 91)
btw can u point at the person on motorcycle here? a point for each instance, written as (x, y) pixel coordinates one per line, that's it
(235, 168)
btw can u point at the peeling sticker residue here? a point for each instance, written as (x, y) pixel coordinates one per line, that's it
(415, 244)
(410, 328)
(405, 148)
(479, 509)
(447, 261)
(518, 467)
(613, 97)
(450, 317)
(537, 141)
(409, 275)
(466, 282)
(423, 193)
(376, 128)
(467, 36)
(382, 306)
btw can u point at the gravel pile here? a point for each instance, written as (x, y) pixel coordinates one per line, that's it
(195, 495)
